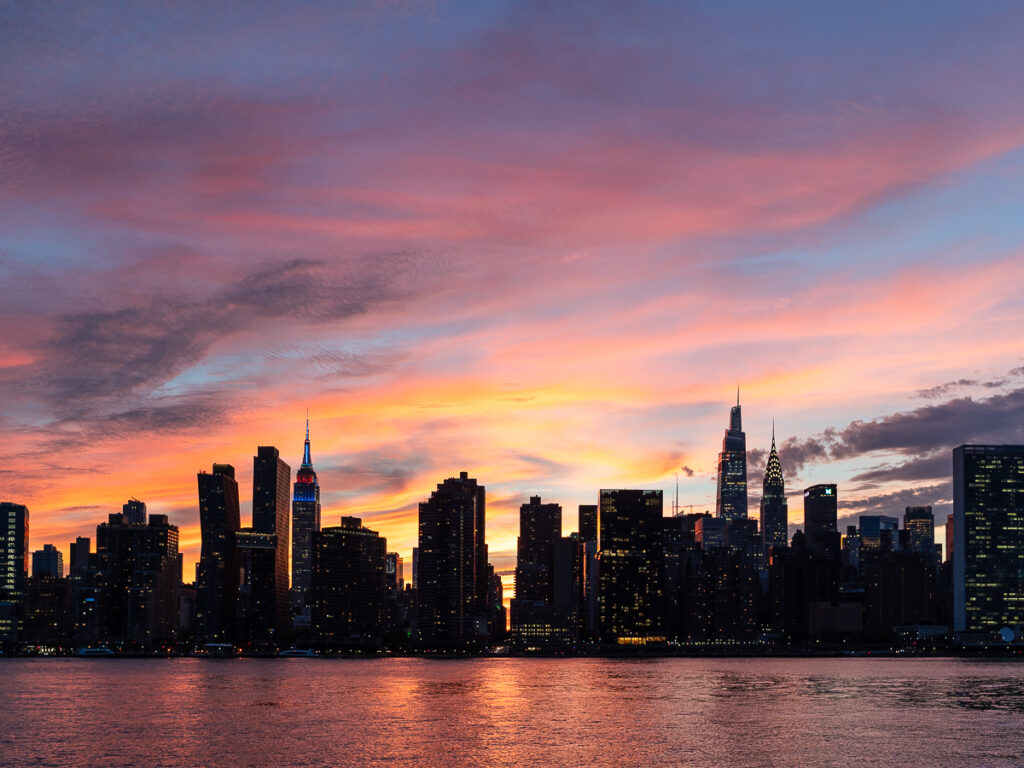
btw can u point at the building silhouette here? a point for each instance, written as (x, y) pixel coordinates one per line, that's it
(731, 496)
(919, 523)
(630, 566)
(305, 523)
(217, 578)
(135, 511)
(988, 538)
(774, 508)
(547, 577)
(265, 548)
(14, 557)
(48, 561)
(821, 511)
(451, 565)
(349, 590)
(137, 573)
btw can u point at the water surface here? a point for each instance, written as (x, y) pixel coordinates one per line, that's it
(511, 712)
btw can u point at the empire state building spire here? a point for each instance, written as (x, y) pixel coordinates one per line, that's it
(307, 461)
(305, 522)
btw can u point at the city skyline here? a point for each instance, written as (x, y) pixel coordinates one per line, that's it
(539, 245)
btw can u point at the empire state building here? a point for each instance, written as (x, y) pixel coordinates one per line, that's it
(305, 522)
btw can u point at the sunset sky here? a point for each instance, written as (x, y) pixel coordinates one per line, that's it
(539, 242)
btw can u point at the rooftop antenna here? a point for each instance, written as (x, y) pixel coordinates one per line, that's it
(737, 394)
(675, 504)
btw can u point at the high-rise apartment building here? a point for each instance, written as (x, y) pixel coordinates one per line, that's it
(267, 572)
(14, 557)
(451, 565)
(349, 591)
(219, 562)
(48, 561)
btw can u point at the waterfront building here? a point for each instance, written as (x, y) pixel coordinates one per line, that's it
(217, 578)
(451, 565)
(134, 588)
(731, 496)
(774, 508)
(305, 523)
(988, 538)
(14, 558)
(349, 590)
(48, 561)
(265, 551)
(546, 577)
(821, 514)
(630, 564)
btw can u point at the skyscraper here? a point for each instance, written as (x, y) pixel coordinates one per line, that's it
(268, 573)
(48, 561)
(14, 557)
(731, 498)
(305, 522)
(988, 538)
(630, 559)
(774, 508)
(349, 590)
(821, 512)
(451, 568)
(534, 617)
(137, 578)
(919, 523)
(219, 562)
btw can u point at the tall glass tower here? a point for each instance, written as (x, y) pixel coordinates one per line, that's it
(731, 500)
(305, 522)
(988, 539)
(774, 510)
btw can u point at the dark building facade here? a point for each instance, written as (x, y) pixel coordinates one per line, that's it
(821, 513)
(451, 565)
(774, 508)
(919, 523)
(14, 560)
(988, 538)
(547, 565)
(630, 567)
(267, 560)
(217, 579)
(305, 523)
(731, 496)
(138, 570)
(48, 561)
(349, 590)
